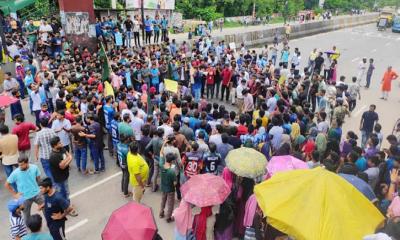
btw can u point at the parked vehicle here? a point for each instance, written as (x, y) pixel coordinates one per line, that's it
(396, 24)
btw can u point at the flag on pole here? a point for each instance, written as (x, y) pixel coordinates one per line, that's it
(106, 69)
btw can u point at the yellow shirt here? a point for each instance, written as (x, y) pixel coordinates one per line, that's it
(137, 165)
(264, 119)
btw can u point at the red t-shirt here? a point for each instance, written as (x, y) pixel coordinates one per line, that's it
(226, 76)
(241, 130)
(22, 131)
(210, 76)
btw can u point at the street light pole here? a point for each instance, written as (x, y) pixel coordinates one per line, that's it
(285, 11)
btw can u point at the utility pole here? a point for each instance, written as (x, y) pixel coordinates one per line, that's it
(143, 25)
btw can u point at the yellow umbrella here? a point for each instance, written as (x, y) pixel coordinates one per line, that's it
(246, 162)
(315, 204)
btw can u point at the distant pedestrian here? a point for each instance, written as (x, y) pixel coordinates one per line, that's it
(122, 152)
(368, 120)
(386, 82)
(43, 147)
(370, 71)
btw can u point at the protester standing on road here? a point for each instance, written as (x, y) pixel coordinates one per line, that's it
(8, 150)
(43, 147)
(60, 160)
(56, 208)
(362, 69)
(138, 171)
(62, 127)
(128, 30)
(136, 29)
(26, 177)
(386, 82)
(122, 152)
(368, 120)
(370, 71)
(168, 181)
(22, 130)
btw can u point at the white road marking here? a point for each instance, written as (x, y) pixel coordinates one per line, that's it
(355, 59)
(94, 185)
(77, 225)
(373, 50)
(360, 110)
(387, 44)
(398, 39)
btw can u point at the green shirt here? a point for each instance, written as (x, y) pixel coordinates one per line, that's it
(37, 236)
(33, 36)
(125, 129)
(168, 178)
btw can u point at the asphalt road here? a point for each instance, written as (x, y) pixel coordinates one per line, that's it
(97, 196)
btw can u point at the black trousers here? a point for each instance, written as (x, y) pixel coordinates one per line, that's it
(125, 181)
(136, 38)
(148, 36)
(156, 36)
(210, 90)
(164, 34)
(217, 87)
(224, 89)
(352, 104)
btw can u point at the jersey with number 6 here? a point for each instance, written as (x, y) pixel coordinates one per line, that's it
(211, 162)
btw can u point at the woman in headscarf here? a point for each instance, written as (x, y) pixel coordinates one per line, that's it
(320, 142)
(245, 190)
(295, 131)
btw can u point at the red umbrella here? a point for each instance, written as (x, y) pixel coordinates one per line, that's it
(205, 190)
(133, 221)
(7, 100)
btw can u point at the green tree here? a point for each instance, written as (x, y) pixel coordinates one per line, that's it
(102, 3)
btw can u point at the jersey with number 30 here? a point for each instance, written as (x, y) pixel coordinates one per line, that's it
(192, 163)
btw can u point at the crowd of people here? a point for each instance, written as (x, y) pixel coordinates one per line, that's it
(161, 138)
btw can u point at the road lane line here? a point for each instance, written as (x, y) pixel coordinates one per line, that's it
(360, 110)
(94, 185)
(76, 225)
(373, 50)
(387, 44)
(355, 59)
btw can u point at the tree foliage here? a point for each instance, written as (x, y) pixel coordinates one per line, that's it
(230, 8)
(102, 3)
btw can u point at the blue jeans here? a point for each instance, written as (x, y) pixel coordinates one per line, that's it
(197, 94)
(8, 169)
(46, 168)
(128, 38)
(81, 157)
(97, 156)
(364, 138)
(63, 189)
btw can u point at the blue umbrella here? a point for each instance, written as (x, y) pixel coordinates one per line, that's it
(361, 185)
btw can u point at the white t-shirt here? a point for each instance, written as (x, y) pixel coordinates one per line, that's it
(46, 29)
(63, 135)
(36, 101)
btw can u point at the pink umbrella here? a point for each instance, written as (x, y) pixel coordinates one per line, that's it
(7, 100)
(284, 163)
(205, 190)
(133, 221)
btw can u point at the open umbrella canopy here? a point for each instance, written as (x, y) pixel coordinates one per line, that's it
(205, 190)
(246, 162)
(315, 204)
(284, 163)
(362, 186)
(7, 100)
(124, 223)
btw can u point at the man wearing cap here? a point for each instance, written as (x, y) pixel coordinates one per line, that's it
(17, 223)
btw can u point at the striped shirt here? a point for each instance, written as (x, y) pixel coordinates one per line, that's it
(17, 226)
(43, 140)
